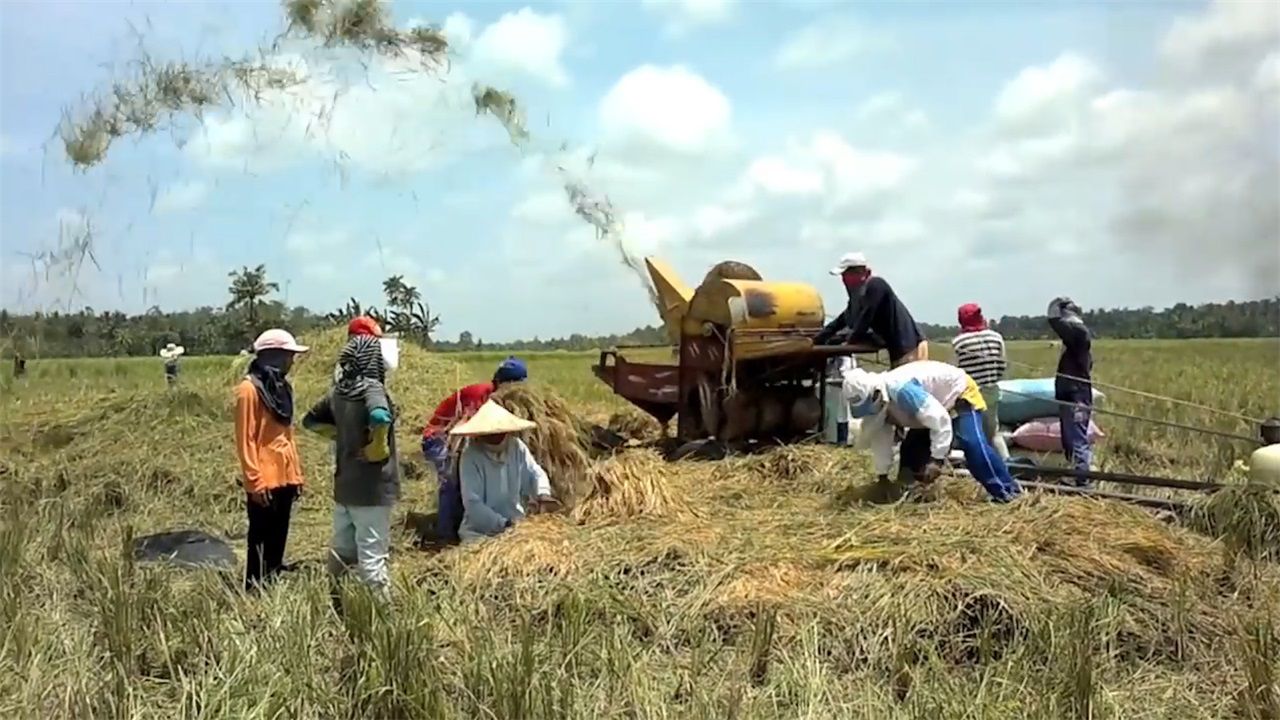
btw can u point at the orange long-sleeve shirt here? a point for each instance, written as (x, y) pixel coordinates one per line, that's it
(266, 448)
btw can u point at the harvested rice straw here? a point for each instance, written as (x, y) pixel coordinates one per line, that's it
(632, 485)
(556, 442)
(538, 546)
(633, 424)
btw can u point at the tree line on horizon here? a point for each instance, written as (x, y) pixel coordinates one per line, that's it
(250, 309)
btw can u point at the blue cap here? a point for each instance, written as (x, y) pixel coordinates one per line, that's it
(511, 370)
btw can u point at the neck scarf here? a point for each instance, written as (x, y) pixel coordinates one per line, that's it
(360, 362)
(273, 388)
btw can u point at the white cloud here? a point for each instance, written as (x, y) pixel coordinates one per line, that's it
(831, 40)
(666, 108)
(891, 109)
(778, 175)
(1228, 31)
(684, 15)
(547, 208)
(1042, 98)
(180, 197)
(857, 175)
(522, 42)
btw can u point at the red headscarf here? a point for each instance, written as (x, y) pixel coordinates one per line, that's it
(363, 325)
(971, 319)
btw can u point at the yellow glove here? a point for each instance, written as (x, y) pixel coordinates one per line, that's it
(378, 449)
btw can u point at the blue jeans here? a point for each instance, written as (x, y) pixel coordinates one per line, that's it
(449, 495)
(1073, 421)
(982, 460)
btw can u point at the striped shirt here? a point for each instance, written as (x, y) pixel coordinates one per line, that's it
(981, 354)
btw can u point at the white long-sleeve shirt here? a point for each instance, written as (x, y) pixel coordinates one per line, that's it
(920, 395)
(494, 490)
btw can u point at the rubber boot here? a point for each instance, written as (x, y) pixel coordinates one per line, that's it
(842, 433)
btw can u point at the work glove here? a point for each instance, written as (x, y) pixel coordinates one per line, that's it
(930, 472)
(379, 447)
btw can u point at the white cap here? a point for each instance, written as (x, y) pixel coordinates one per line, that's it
(277, 339)
(849, 260)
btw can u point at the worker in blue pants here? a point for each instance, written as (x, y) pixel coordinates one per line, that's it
(1073, 385)
(936, 403)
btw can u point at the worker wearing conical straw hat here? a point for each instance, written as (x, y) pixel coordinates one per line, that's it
(497, 473)
(458, 407)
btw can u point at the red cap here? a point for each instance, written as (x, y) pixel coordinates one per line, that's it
(363, 325)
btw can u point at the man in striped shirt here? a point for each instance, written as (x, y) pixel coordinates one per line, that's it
(980, 353)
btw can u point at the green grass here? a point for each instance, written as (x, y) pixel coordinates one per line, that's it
(774, 599)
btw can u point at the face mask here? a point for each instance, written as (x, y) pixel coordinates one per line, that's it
(853, 281)
(390, 348)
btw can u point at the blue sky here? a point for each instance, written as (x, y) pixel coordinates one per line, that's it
(1122, 153)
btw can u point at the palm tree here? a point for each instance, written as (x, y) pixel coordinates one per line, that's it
(399, 294)
(248, 288)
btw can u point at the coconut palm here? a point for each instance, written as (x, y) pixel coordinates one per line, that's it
(248, 288)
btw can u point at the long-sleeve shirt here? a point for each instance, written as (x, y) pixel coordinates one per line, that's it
(369, 420)
(921, 394)
(875, 315)
(1076, 360)
(494, 490)
(265, 446)
(457, 407)
(981, 354)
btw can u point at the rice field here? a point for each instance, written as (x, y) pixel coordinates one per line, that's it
(756, 587)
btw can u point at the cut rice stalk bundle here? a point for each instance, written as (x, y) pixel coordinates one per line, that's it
(631, 485)
(633, 424)
(557, 443)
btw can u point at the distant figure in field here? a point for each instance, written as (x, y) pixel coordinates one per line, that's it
(268, 453)
(19, 365)
(359, 415)
(874, 315)
(937, 403)
(980, 352)
(456, 408)
(170, 354)
(501, 481)
(1073, 385)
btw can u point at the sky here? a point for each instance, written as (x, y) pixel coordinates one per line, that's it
(1121, 153)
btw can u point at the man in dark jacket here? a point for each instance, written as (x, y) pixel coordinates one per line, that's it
(1073, 386)
(874, 316)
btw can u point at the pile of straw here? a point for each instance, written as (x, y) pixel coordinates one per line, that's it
(365, 25)
(633, 424)
(631, 485)
(557, 442)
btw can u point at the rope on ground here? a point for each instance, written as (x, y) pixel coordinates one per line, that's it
(1141, 393)
(1139, 418)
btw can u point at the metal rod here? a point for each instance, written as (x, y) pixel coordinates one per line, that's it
(1142, 500)
(1131, 479)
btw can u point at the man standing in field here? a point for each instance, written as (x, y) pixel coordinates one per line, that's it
(980, 352)
(358, 414)
(1073, 385)
(268, 453)
(454, 409)
(874, 315)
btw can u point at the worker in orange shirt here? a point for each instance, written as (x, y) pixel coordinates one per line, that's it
(268, 454)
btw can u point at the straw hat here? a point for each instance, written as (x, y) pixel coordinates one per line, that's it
(492, 419)
(172, 351)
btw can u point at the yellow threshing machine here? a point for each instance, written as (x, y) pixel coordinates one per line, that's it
(747, 367)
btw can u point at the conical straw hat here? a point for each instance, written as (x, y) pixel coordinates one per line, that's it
(492, 419)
